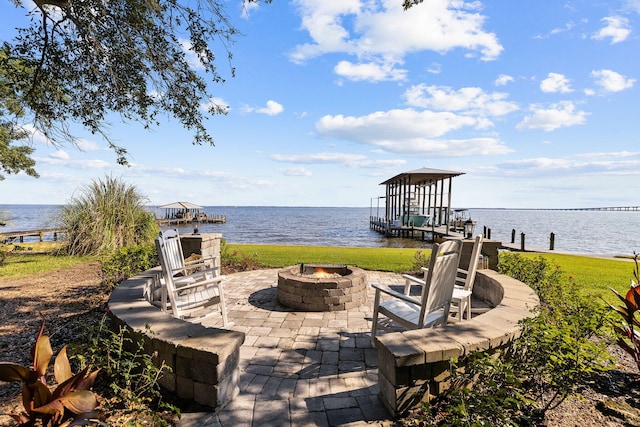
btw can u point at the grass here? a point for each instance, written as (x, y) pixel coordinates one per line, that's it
(25, 264)
(381, 259)
(594, 275)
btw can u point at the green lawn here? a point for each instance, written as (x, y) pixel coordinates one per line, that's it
(594, 275)
(382, 259)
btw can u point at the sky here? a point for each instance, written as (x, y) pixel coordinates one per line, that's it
(536, 102)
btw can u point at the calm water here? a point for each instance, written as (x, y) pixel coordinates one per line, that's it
(575, 231)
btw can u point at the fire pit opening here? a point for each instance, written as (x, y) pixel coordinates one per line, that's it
(324, 270)
(322, 287)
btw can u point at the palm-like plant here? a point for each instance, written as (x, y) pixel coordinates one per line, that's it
(71, 400)
(629, 332)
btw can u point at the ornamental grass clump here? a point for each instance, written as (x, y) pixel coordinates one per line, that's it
(107, 214)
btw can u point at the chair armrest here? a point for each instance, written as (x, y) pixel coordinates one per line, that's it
(387, 290)
(199, 283)
(202, 260)
(413, 279)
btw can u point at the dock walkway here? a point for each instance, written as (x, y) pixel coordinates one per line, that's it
(41, 233)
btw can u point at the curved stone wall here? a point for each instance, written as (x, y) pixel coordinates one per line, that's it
(413, 365)
(203, 361)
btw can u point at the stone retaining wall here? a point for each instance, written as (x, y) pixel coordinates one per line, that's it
(204, 361)
(413, 365)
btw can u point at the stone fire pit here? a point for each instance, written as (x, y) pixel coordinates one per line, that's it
(322, 287)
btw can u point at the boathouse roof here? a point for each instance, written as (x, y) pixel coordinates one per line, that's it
(180, 205)
(423, 175)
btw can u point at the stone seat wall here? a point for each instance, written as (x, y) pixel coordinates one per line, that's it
(204, 361)
(414, 365)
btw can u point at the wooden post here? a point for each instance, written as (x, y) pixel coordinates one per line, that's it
(552, 241)
(522, 241)
(513, 235)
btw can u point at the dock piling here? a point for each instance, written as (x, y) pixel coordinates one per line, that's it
(552, 241)
(522, 236)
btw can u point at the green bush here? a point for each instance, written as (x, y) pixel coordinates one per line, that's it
(128, 261)
(130, 376)
(559, 350)
(108, 214)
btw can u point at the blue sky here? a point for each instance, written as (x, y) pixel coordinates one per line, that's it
(537, 102)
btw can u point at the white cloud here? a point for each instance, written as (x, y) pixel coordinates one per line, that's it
(555, 83)
(410, 132)
(248, 7)
(75, 164)
(299, 171)
(616, 28)
(610, 81)
(633, 5)
(400, 124)
(351, 160)
(562, 114)
(571, 166)
(191, 57)
(271, 109)
(371, 30)
(434, 68)
(85, 145)
(472, 100)
(369, 71)
(503, 80)
(320, 158)
(59, 155)
(217, 105)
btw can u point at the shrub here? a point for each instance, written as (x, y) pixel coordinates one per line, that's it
(420, 259)
(108, 214)
(128, 261)
(555, 356)
(233, 261)
(131, 374)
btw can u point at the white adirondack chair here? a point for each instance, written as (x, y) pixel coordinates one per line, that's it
(191, 287)
(465, 278)
(464, 282)
(431, 308)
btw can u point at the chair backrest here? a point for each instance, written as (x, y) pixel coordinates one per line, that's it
(473, 263)
(167, 270)
(440, 279)
(172, 248)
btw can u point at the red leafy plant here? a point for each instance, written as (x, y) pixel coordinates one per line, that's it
(70, 403)
(629, 332)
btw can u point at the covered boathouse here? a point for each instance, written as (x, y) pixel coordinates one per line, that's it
(415, 201)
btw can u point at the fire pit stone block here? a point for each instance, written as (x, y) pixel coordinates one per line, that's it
(307, 293)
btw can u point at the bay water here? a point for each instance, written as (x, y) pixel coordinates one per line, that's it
(591, 232)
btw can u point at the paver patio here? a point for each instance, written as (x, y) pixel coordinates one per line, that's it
(298, 368)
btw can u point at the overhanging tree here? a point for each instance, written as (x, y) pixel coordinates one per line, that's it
(79, 60)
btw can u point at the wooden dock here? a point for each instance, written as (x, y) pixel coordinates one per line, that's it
(203, 219)
(41, 233)
(427, 233)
